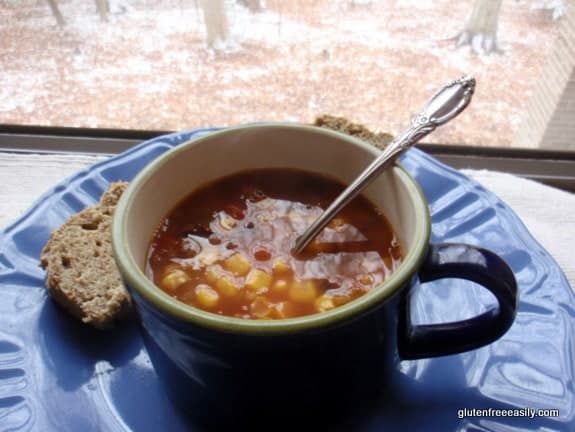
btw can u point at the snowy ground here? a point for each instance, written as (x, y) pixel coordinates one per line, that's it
(375, 62)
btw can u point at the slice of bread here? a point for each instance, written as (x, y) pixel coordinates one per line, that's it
(82, 275)
(342, 124)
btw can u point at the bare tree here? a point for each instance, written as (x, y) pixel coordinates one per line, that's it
(480, 31)
(217, 28)
(104, 7)
(56, 12)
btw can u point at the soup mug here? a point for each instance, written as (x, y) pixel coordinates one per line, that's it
(226, 369)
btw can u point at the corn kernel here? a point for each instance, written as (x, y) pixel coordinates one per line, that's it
(261, 308)
(279, 311)
(284, 310)
(174, 279)
(280, 266)
(212, 274)
(323, 303)
(227, 222)
(365, 279)
(303, 291)
(264, 218)
(339, 300)
(280, 286)
(227, 287)
(206, 296)
(258, 279)
(171, 267)
(250, 296)
(237, 264)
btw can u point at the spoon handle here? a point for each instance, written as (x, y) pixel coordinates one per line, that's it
(443, 106)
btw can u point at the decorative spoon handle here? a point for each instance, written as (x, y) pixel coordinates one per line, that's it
(443, 106)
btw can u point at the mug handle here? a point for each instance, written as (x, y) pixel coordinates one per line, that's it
(457, 260)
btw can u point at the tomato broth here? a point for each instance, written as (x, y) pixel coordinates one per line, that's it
(227, 247)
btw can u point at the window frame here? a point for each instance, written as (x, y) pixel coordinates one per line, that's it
(551, 167)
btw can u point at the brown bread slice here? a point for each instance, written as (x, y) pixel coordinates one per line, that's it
(81, 272)
(342, 124)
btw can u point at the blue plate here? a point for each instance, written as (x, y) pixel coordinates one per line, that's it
(56, 375)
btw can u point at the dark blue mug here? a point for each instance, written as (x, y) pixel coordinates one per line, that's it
(226, 371)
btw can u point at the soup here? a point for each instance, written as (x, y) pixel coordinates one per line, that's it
(227, 247)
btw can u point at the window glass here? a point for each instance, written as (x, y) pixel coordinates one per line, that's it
(180, 64)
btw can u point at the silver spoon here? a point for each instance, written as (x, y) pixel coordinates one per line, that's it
(443, 106)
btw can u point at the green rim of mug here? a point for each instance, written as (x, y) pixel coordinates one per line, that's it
(166, 304)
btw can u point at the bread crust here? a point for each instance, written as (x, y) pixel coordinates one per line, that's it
(342, 124)
(81, 274)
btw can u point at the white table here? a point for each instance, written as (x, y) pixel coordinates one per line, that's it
(548, 213)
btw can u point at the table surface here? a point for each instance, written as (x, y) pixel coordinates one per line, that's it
(547, 212)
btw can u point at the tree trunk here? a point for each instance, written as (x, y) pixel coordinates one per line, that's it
(103, 8)
(56, 12)
(480, 32)
(217, 30)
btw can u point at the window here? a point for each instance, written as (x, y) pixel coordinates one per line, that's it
(172, 65)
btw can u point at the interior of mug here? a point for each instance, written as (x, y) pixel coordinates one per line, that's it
(173, 176)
